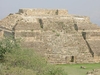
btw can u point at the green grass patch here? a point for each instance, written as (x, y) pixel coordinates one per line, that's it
(74, 69)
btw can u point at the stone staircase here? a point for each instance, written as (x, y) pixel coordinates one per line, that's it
(92, 39)
(84, 55)
(95, 46)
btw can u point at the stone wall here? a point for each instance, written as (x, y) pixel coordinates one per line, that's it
(81, 19)
(31, 12)
(10, 21)
(1, 33)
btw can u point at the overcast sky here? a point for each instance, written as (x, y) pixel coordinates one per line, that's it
(89, 8)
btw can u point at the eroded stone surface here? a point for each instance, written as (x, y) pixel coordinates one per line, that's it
(60, 37)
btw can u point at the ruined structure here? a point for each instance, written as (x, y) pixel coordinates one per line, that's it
(94, 72)
(60, 37)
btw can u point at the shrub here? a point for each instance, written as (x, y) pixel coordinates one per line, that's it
(52, 70)
(7, 45)
(18, 60)
(28, 59)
